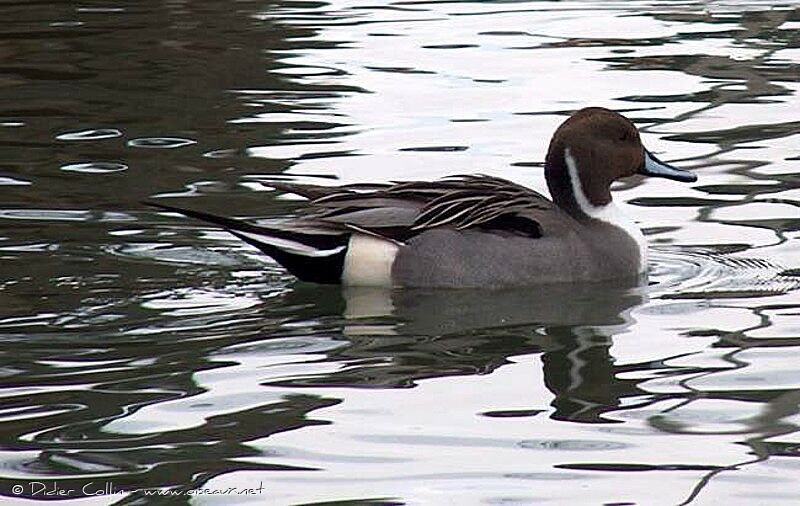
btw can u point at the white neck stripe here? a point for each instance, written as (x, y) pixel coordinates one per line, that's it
(577, 189)
(608, 213)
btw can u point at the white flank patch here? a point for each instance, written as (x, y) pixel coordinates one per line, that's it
(289, 246)
(368, 261)
(608, 213)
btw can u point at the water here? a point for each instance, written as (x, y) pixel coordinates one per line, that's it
(144, 353)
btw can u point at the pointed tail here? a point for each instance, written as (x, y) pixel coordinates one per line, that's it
(311, 254)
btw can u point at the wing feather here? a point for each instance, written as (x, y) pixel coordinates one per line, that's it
(460, 202)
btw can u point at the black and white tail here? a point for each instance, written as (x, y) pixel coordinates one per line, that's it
(311, 254)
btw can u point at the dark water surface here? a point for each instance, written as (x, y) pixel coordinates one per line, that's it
(142, 352)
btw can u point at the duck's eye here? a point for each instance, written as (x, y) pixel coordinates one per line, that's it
(624, 136)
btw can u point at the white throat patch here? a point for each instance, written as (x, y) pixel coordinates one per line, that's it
(608, 213)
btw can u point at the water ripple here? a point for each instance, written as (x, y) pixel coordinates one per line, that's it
(94, 134)
(704, 274)
(95, 167)
(160, 142)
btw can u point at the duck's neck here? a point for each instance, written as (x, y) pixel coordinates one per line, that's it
(587, 202)
(569, 192)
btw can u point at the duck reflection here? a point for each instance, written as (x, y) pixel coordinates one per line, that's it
(580, 372)
(398, 337)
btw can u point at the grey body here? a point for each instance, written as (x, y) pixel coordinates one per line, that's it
(568, 251)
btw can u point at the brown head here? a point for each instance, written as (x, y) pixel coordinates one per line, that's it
(593, 148)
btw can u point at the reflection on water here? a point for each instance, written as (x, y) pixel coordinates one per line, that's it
(156, 354)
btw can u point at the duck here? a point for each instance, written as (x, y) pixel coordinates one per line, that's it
(472, 231)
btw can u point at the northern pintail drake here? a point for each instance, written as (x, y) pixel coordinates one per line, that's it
(473, 231)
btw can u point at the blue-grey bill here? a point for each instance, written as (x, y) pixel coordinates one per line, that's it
(655, 167)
